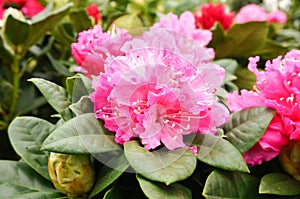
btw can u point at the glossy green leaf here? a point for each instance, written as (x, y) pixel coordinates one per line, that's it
(247, 126)
(109, 174)
(162, 165)
(218, 152)
(80, 19)
(40, 27)
(160, 190)
(279, 184)
(217, 36)
(27, 135)
(242, 39)
(119, 193)
(245, 79)
(84, 105)
(55, 95)
(271, 50)
(81, 135)
(76, 88)
(18, 180)
(16, 30)
(230, 185)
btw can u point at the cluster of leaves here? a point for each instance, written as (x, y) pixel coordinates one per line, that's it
(216, 170)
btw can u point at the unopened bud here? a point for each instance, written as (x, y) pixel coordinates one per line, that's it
(71, 174)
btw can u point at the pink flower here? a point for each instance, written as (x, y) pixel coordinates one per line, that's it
(208, 14)
(28, 7)
(253, 12)
(157, 95)
(93, 11)
(268, 147)
(185, 25)
(277, 87)
(94, 46)
(277, 17)
(31, 8)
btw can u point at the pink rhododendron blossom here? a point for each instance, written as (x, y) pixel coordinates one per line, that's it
(157, 95)
(253, 12)
(277, 17)
(31, 8)
(277, 87)
(208, 14)
(94, 46)
(185, 25)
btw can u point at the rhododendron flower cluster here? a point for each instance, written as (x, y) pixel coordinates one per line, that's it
(162, 88)
(253, 12)
(28, 7)
(208, 14)
(277, 87)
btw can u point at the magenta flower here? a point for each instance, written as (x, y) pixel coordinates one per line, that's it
(253, 12)
(94, 46)
(28, 7)
(277, 87)
(157, 95)
(185, 25)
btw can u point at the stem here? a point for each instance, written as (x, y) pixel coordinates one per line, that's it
(15, 69)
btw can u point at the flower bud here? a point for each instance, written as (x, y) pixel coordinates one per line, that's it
(289, 159)
(71, 174)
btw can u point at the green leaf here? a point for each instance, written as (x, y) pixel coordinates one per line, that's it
(160, 190)
(129, 22)
(230, 66)
(40, 194)
(230, 185)
(217, 152)
(6, 52)
(80, 19)
(16, 30)
(58, 66)
(245, 79)
(27, 135)
(163, 165)
(84, 105)
(271, 50)
(76, 88)
(55, 95)
(279, 184)
(242, 39)
(247, 126)
(18, 180)
(81, 135)
(107, 174)
(218, 35)
(40, 27)
(64, 34)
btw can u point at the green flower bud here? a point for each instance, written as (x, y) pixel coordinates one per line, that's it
(71, 174)
(289, 159)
